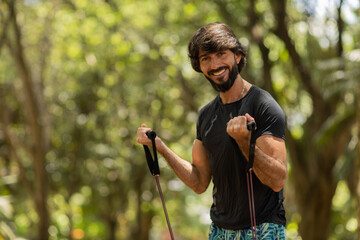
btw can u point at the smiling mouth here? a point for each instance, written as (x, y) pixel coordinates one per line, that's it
(218, 71)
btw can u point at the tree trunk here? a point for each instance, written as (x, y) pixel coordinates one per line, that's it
(37, 142)
(315, 213)
(315, 187)
(41, 193)
(313, 159)
(314, 199)
(112, 224)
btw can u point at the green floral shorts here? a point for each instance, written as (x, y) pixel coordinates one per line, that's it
(265, 231)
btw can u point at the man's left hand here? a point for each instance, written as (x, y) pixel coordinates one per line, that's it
(237, 129)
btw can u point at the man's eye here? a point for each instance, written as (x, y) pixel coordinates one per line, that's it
(204, 59)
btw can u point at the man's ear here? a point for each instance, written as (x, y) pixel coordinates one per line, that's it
(238, 57)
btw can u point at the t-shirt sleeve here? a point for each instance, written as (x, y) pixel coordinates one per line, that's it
(270, 119)
(198, 128)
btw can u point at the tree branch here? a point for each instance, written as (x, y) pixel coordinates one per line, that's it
(5, 25)
(35, 125)
(259, 39)
(340, 25)
(31, 102)
(279, 9)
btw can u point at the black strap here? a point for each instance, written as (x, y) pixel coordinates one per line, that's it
(251, 126)
(152, 162)
(155, 171)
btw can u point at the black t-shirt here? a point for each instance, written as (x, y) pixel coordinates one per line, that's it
(230, 209)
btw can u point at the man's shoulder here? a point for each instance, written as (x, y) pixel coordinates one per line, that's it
(260, 96)
(258, 91)
(264, 102)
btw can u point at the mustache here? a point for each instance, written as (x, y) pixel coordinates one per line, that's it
(216, 70)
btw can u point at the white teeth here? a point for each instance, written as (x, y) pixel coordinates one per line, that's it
(219, 73)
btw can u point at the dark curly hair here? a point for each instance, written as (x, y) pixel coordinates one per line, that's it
(212, 38)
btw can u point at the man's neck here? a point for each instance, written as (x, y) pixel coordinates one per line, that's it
(236, 92)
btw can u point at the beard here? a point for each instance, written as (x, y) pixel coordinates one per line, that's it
(229, 83)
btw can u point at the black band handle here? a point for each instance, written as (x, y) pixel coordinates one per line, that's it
(251, 126)
(152, 162)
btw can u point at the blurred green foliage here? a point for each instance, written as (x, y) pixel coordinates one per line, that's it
(102, 68)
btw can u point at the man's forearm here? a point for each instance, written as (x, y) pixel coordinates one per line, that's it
(271, 171)
(185, 170)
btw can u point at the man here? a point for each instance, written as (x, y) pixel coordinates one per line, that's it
(221, 148)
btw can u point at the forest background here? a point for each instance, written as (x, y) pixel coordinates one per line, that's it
(77, 78)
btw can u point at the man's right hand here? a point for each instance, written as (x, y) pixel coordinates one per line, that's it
(141, 135)
(196, 175)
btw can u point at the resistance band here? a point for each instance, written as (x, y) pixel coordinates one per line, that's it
(155, 171)
(251, 127)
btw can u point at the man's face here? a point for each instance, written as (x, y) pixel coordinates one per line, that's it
(220, 68)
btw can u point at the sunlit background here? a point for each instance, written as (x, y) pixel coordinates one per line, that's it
(77, 78)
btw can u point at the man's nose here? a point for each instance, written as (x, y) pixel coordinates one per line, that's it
(215, 63)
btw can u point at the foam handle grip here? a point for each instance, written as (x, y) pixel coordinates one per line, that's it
(151, 134)
(251, 126)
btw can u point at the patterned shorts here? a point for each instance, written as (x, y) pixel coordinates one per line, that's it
(265, 231)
